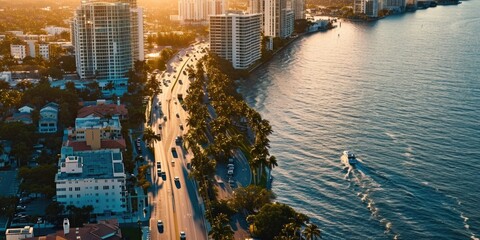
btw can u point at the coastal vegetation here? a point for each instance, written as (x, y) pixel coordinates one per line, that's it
(222, 126)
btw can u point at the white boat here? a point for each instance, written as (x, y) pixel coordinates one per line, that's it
(349, 159)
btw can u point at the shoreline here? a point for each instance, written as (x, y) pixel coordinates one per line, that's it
(262, 62)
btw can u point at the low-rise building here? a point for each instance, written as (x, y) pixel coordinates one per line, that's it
(95, 178)
(103, 109)
(18, 51)
(109, 128)
(42, 50)
(48, 121)
(24, 117)
(19, 233)
(103, 230)
(54, 30)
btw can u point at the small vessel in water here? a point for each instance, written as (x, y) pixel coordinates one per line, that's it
(349, 159)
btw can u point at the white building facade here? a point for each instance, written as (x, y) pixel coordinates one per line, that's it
(18, 51)
(368, 7)
(108, 38)
(279, 19)
(95, 178)
(237, 38)
(43, 50)
(199, 10)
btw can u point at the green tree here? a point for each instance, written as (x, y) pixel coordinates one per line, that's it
(40, 179)
(272, 218)
(221, 229)
(251, 198)
(79, 215)
(312, 232)
(149, 136)
(54, 213)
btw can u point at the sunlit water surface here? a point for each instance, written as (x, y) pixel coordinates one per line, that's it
(403, 93)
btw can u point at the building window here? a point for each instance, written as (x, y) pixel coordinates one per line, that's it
(78, 195)
(96, 187)
(105, 187)
(77, 188)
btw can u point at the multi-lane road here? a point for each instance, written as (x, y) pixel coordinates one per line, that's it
(174, 200)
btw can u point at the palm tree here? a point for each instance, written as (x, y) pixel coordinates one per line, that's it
(221, 229)
(149, 136)
(312, 232)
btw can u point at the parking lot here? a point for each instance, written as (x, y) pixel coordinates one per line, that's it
(8, 183)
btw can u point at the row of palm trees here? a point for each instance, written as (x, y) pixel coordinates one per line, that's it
(293, 231)
(214, 135)
(232, 111)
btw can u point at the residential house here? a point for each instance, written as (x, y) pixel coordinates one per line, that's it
(48, 122)
(103, 230)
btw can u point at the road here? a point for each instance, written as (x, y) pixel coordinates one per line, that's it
(176, 203)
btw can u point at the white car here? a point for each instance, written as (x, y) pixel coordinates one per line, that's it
(183, 236)
(230, 172)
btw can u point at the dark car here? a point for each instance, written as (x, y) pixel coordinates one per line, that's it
(164, 176)
(174, 152)
(178, 140)
(160, 226)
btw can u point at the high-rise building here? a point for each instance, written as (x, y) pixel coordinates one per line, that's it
(255, 6)
(368, 7)
(237, 38)
(199, 10)
(136, 26)
(298, 9)
(288, 23)
(371, 8)
(103, 43)
(278, 19)
(358, 6)
(108, 39)
(393, 5)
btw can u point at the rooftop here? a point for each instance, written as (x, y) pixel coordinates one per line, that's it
(102, 110)
(104, 144)
(107, 229)
(96, 122)
(99, 164)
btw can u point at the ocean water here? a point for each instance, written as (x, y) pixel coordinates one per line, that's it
(403, 93)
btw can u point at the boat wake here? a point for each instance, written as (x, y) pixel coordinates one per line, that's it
(360, 177)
